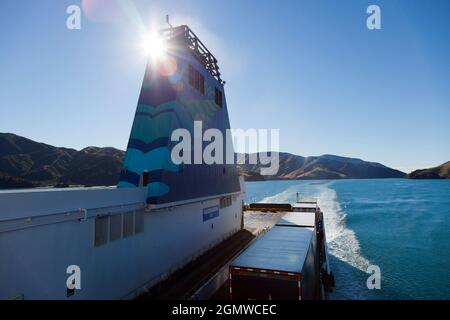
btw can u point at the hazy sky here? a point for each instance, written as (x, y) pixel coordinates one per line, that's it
(310, 68)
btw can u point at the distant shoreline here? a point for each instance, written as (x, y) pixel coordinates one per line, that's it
(25, 163)
(336, 179)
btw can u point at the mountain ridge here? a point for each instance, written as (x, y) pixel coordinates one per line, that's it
(320, 167)
(27, 163)
(24, 161)
(439, 172)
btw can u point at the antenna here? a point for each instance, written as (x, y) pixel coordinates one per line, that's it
(168, 22)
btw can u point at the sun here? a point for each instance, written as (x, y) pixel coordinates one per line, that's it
(152, 45)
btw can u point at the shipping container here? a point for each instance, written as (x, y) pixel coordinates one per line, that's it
(298, 219)
(281, 265)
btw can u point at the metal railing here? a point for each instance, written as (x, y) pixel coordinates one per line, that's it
(185, 36)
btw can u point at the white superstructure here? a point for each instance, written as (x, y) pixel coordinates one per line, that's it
(43, 232)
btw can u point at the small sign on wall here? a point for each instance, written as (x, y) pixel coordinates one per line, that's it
(210, 213)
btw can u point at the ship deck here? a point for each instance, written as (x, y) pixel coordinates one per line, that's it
(189, 280)
(183, 283)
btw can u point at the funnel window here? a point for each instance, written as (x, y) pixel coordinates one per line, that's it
(218, 97)
(196, 80)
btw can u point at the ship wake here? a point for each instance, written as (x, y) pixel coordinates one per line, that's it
(342, 241)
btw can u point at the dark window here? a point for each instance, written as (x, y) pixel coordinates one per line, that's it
(115, 227)
(191, 76)
(196, 80)
(202, 84)
(128, 223)
(218, 97)
(101, 230)
(225, 202)
(139, 222)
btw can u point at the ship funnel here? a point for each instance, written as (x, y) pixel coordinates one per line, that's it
(180, 87)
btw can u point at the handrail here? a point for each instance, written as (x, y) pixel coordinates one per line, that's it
(184, 35)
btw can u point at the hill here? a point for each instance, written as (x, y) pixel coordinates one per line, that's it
(25, 163)
(323, 167)
(439, 172)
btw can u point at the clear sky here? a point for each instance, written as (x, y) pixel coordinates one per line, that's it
(310, 68)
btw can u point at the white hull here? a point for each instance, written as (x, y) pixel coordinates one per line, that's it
(41, 235)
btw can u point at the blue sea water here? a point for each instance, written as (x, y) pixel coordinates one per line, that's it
(400, 225)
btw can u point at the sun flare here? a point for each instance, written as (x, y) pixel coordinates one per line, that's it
(153, 46)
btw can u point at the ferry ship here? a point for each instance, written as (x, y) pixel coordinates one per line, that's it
(126, 239)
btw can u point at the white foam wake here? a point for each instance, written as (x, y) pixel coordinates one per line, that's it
(342, 241)
(285, 196)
